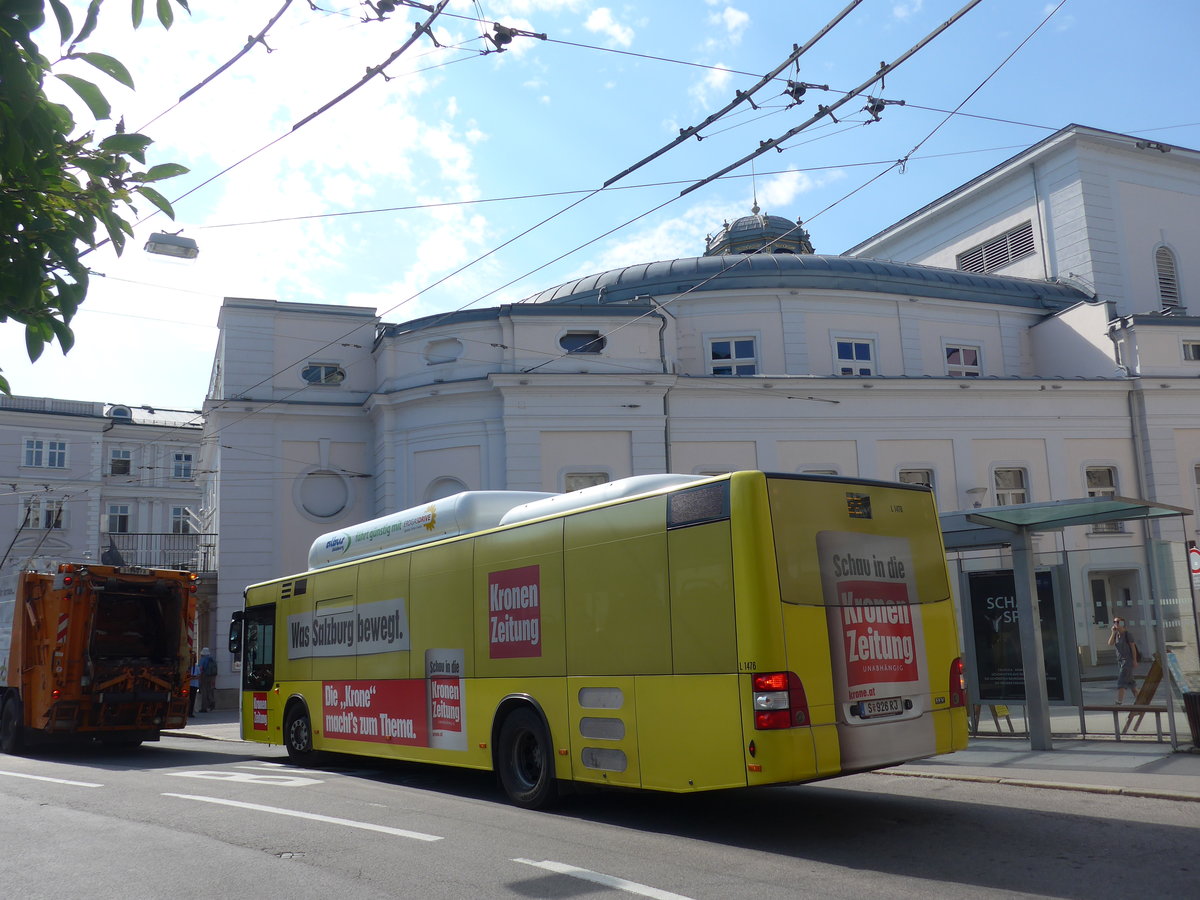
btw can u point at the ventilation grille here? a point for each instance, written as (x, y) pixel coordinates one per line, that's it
(999, 251)
(1168, 284)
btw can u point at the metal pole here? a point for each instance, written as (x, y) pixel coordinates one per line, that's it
(1037, 705)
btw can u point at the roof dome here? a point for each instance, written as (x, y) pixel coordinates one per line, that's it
(757, 233)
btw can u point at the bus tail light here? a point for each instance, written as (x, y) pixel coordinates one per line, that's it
(958, 683)
(779, 701)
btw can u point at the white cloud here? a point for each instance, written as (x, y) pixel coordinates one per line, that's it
(680, 234)
(778, 192)
(714, 82)
(907, 10)
(734, 21)
(601, 21)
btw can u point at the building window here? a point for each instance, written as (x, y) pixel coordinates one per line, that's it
(999, 251)
(44, 513)
(182, 466)
(1191, 351)
(181, 521)
(45, 454)
(120, 462)
(819, 472)
(577, 481)
(854, 357)
(1168, 281)
(917, 476)
(962, 361)
(1102, 482)
(582, 342)
(1010, 485)
(118, 518)
(732, 356)
(323, 373)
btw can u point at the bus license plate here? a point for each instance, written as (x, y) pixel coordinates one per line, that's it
(888, 706)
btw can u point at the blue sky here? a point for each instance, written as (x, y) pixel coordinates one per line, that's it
(431, 190)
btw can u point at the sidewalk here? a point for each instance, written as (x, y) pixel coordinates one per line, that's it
(218, 725)
(1138, 768)
(1131, 768)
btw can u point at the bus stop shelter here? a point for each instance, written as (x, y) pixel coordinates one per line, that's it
(1015, 526)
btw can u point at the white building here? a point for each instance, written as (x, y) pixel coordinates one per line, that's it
(79, 477)
(1034, 345)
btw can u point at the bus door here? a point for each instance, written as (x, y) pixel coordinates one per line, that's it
(256, 632)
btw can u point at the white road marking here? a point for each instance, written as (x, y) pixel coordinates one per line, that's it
(54, 780)
(611, 881)
(249, 778)
(315, 817)
(275, 767)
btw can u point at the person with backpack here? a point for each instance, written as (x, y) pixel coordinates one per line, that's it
(208, 681)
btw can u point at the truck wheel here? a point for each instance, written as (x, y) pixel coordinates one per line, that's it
(11, 728)
(526, 760)
(297, 735)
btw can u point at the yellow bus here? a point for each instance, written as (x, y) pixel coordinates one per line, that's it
(664, 632)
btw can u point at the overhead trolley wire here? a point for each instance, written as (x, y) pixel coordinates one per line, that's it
(741, 96)
(823, 111)
(259, 38)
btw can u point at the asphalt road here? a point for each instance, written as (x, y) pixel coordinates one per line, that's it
(187, 818)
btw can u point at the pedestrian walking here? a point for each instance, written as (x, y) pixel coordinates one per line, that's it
(1127, 657)
(208, 681)
(193, 687)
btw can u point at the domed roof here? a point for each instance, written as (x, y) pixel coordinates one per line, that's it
(757, 233)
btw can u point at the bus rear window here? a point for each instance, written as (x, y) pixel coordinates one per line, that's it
(709, 503)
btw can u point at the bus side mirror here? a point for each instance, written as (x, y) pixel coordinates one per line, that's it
(235, 634)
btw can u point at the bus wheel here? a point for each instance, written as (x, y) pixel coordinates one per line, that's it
(526, 763)
(11, 729)
(297, 735)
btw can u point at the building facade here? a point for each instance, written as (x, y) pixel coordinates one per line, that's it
(1058, 367)
(82, 478)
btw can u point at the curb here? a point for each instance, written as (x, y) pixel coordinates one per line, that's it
(198, 735)
(1147, 793)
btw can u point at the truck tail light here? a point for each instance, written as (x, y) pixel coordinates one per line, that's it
(958, 683)
(779, 701)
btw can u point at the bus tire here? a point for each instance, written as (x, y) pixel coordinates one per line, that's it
(12, 731)
(297, 735)
(526, 760)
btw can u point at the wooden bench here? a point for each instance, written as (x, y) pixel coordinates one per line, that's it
(1133, 709)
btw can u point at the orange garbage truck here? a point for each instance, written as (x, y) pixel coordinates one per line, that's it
(94, 653)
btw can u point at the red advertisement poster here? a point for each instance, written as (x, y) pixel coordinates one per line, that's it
(384, 712)
(515, 613)
(879, 641)
(259, 709)
(447, 698)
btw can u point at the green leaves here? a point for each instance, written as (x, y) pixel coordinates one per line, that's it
(157, 199)
(161, 171)
(114, 68)
(65, 25)
(62, 192)
(89, 94)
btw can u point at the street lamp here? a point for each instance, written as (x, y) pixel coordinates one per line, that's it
(165, 244)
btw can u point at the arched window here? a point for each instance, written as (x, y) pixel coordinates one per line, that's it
(1168, 281)
(445, 486)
